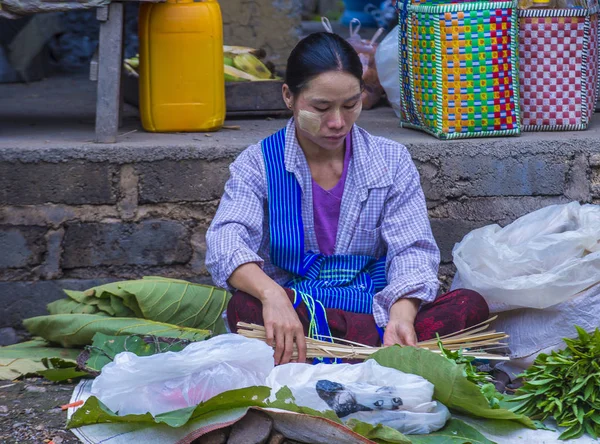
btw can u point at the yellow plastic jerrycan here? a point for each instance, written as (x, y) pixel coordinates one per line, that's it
(182, 85)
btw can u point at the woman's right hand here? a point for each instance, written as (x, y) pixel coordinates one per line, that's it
(283, 327)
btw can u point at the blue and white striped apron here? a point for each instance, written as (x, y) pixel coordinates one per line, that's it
(345, 282)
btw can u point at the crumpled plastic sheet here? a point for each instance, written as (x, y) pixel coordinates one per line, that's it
(18, 8)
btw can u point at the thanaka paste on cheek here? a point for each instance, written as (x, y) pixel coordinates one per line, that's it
(309, 122)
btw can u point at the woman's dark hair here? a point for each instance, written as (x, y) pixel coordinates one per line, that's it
(319, 53)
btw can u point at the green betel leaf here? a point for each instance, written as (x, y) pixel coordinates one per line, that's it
(454, 432)
(64, 306)
(94, 412)
(104, 348)
(25, 358)
(71, 330)
(59, 370)
(179, 302)
(452, 388)
(378, 433)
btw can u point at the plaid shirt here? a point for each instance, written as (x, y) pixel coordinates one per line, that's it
(383, 212)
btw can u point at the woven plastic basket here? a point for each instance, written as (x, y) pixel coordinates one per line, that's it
(458, 68)
(558, 55)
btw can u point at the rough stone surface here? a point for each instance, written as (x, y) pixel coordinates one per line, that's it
(578, 179)
(254, 428)
(128, 192)
(21, 300)
(484, 175)
(170, 181)
(8, 336)
(448, 232)
(500, 210)
(21, 246)
(151, 242)
(50, 269)
(70, 183)
(33, 416)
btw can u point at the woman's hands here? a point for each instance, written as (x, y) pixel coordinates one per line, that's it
(282, 326)
(281, 322)
(401, 327)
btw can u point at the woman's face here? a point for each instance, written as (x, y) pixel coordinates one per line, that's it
(327, 108)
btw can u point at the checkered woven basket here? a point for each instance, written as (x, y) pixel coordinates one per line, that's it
(458, 68)
(558, 51)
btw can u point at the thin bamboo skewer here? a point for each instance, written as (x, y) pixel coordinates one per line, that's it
(468, 338)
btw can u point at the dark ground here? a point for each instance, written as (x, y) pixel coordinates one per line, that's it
(30, 412)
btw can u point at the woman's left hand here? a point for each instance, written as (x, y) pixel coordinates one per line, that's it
(401, 327)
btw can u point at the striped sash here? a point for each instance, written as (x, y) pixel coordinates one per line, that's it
(346, 282)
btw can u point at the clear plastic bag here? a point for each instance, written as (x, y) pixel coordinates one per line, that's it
(356, 391)
(388, 69)
(168, 381)
(540, 260)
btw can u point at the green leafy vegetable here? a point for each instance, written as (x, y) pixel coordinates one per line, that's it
(25, 358)
(72, 330)
(452, 388)
(60, 370)
(104, 348)
(566, 386)
(454, 432)
(378, 433)
(94, 412)
(482, 379)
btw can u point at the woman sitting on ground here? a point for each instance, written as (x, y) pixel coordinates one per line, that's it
(323, 228)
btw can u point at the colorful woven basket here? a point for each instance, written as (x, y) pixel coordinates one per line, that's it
(558, 51)
(458, 68)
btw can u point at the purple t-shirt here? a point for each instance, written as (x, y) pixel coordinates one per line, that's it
(326, 207)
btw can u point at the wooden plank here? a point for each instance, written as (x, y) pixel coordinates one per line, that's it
(110, 65)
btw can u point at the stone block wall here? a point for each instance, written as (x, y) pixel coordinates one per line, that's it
(77, 224)
(77, 218)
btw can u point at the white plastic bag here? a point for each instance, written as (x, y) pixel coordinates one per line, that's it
(168, 381)
(532, 331)
(388, 69)
(368, 392)
(540, 260)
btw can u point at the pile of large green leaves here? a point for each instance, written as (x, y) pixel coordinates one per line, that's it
(149, 306)
(33, 358)
(566, 385)
(152, 306)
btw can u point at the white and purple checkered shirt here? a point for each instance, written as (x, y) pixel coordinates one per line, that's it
(383, 212)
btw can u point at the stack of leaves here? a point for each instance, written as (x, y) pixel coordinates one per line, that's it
(565, 385)
(149, 306)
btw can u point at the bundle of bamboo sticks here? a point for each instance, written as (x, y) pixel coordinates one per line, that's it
(473, 341)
